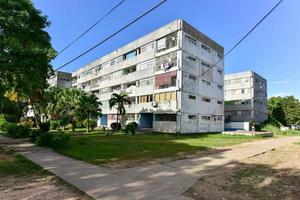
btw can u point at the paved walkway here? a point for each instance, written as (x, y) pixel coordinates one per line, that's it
(160, 181)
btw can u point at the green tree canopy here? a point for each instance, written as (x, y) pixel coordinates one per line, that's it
(25, 49)
(286, 110)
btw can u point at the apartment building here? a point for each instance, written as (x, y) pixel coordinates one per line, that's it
(245, 97)
(60, 79)
(163, 75)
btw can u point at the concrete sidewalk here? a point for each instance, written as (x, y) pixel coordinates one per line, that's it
(160, 181)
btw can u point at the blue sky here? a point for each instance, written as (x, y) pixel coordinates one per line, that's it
(273, 50)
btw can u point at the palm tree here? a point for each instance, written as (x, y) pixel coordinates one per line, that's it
(89, 106)
(69, 105)
(118, 101)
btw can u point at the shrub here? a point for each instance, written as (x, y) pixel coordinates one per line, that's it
(68, 127)
(3, 126)
(258, 127)
(93, 124)
(2, 120)
(45, 126)
(34, 133)
(80, 124)
(60, 140)
(44, 139)
(54, 125)
(27, 122)
(130, 128)
(115, 126)
(15, 131)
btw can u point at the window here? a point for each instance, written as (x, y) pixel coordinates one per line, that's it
(130, 116)
(206, 48)
(220, 71)
(207, 100)
(129, 70)
(116, 88)
(165, 96)
(129, 55)
(219, 56)
(205, 82)
(205, 118)
(192, 58)
(147, 47)
(220, 102)
(145, 65)
(192, 117)
(220, 87)
(105, 90)
(191, 77)
(191, 39)
(145, 98)
(192, 97)
(166, 62)
(166, 80)
(167, 42)
(242, 91)
(145, 82)
(204, 64)
(165, 117)
(206, 71)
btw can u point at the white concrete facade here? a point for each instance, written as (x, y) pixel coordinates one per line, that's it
(245, 97)
(163, 75)
(60, 79)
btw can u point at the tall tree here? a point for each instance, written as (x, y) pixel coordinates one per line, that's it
(89, 106)
(118, 101)
(25, 49)
(275, 109)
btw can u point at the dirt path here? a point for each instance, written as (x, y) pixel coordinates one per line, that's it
(272, 175)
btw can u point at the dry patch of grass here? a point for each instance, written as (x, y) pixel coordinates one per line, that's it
(273, 175)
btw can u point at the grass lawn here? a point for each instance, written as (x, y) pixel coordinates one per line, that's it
(22, 179)
(11, 164)
(101, 149)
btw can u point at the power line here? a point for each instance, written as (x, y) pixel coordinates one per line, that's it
(112, 35)
(85, 32)
(241, 40)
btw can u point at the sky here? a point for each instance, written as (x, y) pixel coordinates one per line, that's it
(272, 50)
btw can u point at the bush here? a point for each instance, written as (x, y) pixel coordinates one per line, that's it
(69, 127)
(15, 131)
(34, 133)
(2, 120)
(58, 140)
(115, 126)
(130, 128)
(45, 126)
(44, 139)
(93, 124)
(80, 124)
(27, 122)
(54, 125)
(258, 127)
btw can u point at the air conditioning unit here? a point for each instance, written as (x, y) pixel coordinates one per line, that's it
(154, 104)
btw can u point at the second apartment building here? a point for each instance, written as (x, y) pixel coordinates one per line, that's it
(245, 97)
(163, 75)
